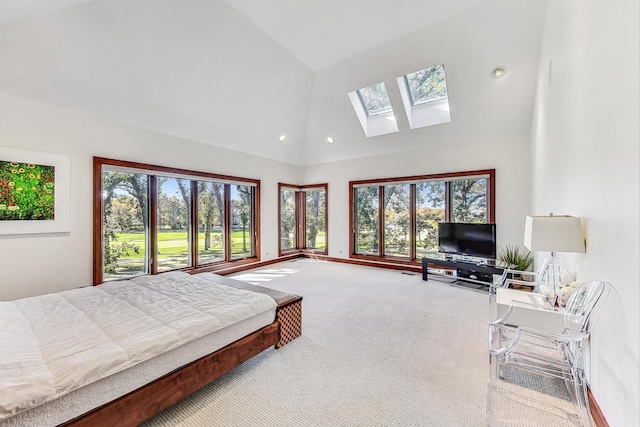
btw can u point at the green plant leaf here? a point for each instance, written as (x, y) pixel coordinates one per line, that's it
(515, 257)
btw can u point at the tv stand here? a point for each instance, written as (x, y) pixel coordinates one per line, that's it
(478, 272)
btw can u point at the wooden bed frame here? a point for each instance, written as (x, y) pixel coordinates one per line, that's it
(146, 401)
(141, 404)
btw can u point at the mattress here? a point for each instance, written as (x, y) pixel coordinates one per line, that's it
(53, 345)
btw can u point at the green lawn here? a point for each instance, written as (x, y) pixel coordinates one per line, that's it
(173, 251)
(174, 243)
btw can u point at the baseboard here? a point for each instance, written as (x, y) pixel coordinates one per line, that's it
(248, 266)
(596, 412)
(379, 264)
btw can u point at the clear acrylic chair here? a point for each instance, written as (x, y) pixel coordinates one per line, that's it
(528, 351)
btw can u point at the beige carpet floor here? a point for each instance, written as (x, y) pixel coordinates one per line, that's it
(379, 348)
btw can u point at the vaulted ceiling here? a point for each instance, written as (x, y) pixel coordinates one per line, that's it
(238, 73)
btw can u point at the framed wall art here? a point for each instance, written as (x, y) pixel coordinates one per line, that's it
(34, 192)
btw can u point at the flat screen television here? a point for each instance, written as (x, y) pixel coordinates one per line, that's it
(474, 240)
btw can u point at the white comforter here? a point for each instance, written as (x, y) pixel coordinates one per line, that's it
(53, 344)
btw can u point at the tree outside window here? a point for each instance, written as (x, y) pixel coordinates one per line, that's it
(430, 209)
(125, 231)
(428, 200)
(315, 218)
(210, 222)
(427, 85)
(241, 226)
(186, 229)
(396, 220)
(367, 219)
(469, 200)
(287, 219)
(303, 218)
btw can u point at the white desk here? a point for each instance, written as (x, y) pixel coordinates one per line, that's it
(530, 310)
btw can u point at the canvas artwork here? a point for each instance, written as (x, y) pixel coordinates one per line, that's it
(27, 191)
(34, 192)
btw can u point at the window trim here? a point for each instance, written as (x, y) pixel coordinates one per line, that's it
(154, 171)
(448, 177)
(300, 218)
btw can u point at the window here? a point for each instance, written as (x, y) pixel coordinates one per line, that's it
(367, 219)
(397, 218)
(288, 235)
(151, 219)
(374, 111)
(125, 223)
(242, 223)
(469, 201)
(211, 203)
(375, 99)
(173, 237)
(430, 209)
(424, 96)
(427, 85)
(315, 218)
(303, 218)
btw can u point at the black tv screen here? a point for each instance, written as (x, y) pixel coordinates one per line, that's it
(476, 240)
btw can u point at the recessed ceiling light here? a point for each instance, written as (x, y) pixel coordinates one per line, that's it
(282, 137)
(330, 140)
(498, 71)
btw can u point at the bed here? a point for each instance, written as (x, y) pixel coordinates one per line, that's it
(118, 353)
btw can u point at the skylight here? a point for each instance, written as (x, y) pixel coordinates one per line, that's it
(425, 97)
(427, 85)
(375, 99)
(374, 111)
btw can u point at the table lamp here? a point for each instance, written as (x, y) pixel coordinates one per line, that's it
(554, 233)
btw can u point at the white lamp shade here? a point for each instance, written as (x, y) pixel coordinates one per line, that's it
(554, 234)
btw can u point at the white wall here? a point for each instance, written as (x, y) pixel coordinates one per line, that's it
(506, 154)
(37, 264)
(586, 163)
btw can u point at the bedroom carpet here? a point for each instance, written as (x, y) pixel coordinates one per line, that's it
(379, 348)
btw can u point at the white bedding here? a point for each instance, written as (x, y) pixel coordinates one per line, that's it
(53, 344)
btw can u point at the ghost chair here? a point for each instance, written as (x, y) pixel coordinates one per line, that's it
(557, 354)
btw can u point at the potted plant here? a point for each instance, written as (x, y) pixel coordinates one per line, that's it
(515, 258)
(512, 256)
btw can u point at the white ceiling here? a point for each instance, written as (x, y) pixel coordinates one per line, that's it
(238, 73)
(321, 33)
(318, 33)
(16, 10)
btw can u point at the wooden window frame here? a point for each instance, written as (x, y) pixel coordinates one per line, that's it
(153, 171)
(301, 217)
(381, 182)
